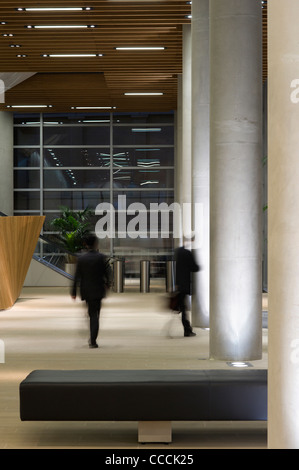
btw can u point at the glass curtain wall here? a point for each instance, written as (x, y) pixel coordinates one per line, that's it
(122, 161)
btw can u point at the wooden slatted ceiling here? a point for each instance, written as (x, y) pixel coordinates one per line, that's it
(98, 81)
(265, 40)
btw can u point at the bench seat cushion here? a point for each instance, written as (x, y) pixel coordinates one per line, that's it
(144, 395)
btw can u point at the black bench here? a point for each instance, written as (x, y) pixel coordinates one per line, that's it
(154, 398)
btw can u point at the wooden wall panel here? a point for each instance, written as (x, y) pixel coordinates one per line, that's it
(18, 239)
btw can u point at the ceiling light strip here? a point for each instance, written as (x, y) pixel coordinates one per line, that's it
(71, 55)
(93, 107)
(46, 9)
(29, 106)
(141, 48)
(65, 26)
(143, 93)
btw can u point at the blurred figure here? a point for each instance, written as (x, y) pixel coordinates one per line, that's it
(185, 266)
(94, 277)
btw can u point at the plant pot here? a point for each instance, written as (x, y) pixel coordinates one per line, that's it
(70, 268)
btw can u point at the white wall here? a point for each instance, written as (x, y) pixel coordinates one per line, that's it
(41, 276)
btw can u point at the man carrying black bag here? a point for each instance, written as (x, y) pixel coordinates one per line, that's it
(93, 275)
(185, 266)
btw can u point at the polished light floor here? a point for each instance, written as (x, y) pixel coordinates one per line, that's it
(47, 330)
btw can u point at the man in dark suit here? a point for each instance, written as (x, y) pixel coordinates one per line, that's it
(93, 275)
(185, 266)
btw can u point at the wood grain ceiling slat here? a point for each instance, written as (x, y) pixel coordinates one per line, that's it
(118, 23)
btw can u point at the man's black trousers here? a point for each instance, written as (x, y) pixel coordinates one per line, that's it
(94, 307)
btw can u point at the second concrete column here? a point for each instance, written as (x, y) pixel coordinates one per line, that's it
(236, 184)
(201, 160)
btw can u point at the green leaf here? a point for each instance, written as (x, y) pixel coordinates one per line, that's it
(72, 226)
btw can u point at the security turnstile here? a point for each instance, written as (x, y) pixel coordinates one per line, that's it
(144, 276)
(170, 276)
(118, 276)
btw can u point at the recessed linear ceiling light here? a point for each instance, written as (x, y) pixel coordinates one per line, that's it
(93, 107)
(29, 106)
(139, 1)
(61, 26)
(56, 9)
(71, 55)
(141, 48)
(144, 94)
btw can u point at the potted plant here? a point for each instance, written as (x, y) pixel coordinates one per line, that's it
(72, 226)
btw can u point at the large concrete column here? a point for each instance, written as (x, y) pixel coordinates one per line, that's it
(283, 224)
(236, 179)
(186, 155)
(201, 160)
(178, 158)
(6, 163)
